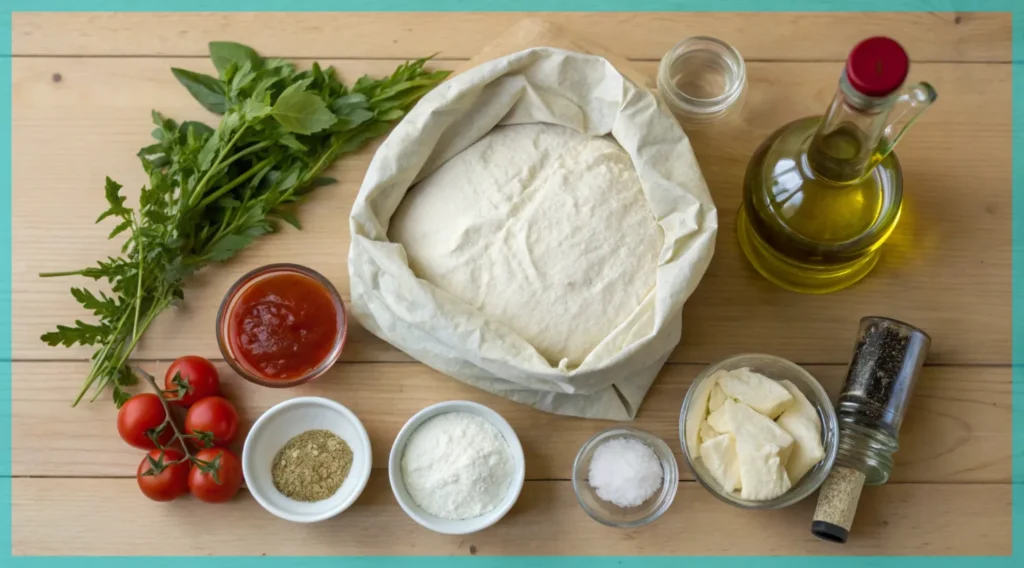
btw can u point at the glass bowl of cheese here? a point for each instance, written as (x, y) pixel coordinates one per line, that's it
(758, 431)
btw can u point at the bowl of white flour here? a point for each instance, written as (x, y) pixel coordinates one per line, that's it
(456, 467)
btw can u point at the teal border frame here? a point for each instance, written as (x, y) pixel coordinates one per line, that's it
(1016, 7)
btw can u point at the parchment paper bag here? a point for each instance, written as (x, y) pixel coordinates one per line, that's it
(551, 85)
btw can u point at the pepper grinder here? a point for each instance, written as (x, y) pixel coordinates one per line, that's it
(886, 362)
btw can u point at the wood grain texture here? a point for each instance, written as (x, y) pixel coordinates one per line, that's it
(965, 36)
(48, 514)
(958, 428)
(78, 118)
(946, 268)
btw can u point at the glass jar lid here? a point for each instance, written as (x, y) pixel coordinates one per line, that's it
(702, 79)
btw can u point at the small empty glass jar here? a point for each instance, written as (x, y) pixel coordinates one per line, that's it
(702, 80)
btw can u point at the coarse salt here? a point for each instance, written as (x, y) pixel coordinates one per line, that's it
(625, 472)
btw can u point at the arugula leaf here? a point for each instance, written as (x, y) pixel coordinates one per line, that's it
(205, 89)
(120, 397)
(112, 191)
(224, 53)
(122, 227)
(302, 112)
(98, 306)
(81, 333)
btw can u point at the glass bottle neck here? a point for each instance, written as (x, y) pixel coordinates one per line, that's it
(845, 146)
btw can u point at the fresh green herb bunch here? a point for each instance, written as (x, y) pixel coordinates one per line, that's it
(212, 191)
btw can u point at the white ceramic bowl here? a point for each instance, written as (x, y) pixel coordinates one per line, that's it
(447, 526)
(289, 419)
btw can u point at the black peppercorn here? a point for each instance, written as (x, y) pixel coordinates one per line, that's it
(880, 379)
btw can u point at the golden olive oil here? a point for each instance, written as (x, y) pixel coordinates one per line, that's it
(822, 194)
(805, 231)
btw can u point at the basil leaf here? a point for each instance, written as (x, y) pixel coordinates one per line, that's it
(226, 247)
(298, 85)
(321, 181)
(287, 216)
(301, 112)
(204, 88)
(350, 119)
(392, 91)
(242, 77)
(393, 114)
(196, 128)
(254, 109)
(290, 141)
(357, 100)
(224, 53)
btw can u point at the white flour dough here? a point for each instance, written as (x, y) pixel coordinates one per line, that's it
(541, 228)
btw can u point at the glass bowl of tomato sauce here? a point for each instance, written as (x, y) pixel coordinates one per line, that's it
(281, 325)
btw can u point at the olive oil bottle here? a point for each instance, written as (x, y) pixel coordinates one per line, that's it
(822, 194)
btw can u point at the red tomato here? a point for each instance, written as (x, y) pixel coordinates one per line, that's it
(142, 413)
(189, 379)
(205, 487)
(216, 415)
(170, 482)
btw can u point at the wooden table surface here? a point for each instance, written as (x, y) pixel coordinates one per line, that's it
(84, 85)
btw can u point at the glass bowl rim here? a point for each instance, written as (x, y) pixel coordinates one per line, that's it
(664, 453)
(830, 431)
(281, 267)
(695, 106)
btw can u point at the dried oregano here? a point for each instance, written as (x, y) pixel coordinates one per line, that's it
(312, 466)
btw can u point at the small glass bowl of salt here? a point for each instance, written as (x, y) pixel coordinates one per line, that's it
(624, 477)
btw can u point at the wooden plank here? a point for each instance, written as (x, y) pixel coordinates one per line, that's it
(966, 36)
(958, 428)
(946, 269)
(47, 519)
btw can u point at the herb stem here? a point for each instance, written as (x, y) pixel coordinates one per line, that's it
(68, 273)
(242, 153)
(124, 353)
(325, 158)
(235, 182)
(201, 186)
(101, 358)
(138, 275)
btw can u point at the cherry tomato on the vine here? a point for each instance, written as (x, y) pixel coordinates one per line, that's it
(222, 487)
(215, 415)
(169, 480)
(140, 414)
(191, 378)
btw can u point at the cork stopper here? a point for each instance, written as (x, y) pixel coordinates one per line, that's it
(837, 504)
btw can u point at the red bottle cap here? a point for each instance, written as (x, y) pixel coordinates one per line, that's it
(877, 66)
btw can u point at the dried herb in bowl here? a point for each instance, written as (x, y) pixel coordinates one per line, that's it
(312, 466)
(212, 191)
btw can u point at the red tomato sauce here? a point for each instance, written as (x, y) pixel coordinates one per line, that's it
(283, 326)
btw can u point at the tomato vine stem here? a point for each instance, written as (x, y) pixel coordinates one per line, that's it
(209, 467)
